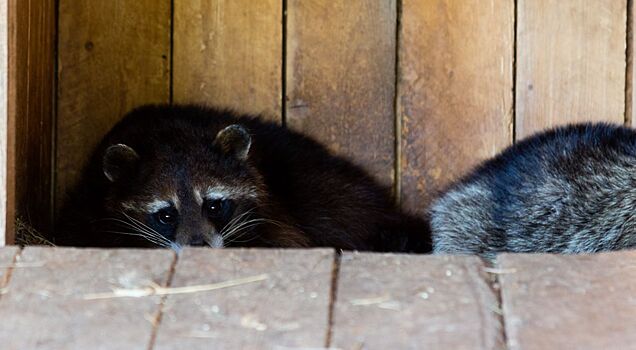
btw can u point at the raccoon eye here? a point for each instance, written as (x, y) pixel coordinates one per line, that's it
(167, 216)
(217, 208)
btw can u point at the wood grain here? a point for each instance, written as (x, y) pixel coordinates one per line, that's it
(45, 304)
(454, 91)
(569, 302)
(31, 109)
(414, 302)
(113, 56)
(6, 231)
(570, 63)
(7, 257)
(341, 78)
(287, 310)
(229, 53)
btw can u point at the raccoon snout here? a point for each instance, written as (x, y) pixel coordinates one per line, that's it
(214, 241)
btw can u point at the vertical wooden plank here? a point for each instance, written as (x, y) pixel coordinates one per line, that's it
(287, 307)
(113, 55)
(569, 302)
(630, 93)
(4, 121)
(341, 78)
(229, 53)
(454, 90)
(414, 302)
(46, 305)
(31, 109)
(570, 63)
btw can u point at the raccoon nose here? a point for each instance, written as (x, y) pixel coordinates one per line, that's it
(197, 240)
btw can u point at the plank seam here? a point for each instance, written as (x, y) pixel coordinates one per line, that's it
(629, 62)
(335, 274)
(7, 278)
(162, 302)
(515, 25)
(496, 286)
(171, 56)
(54, 111)
(397, 145)
(283, 66)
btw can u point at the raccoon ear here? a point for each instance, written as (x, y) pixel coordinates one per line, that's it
(119, 160)
(234, 140)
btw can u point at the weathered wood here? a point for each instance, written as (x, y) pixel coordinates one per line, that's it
(229, 53)
(7, 255)
(414, 302)
(45, 307)
(289, 309)
(6, 231)
(570, 63)
(341, 78)
(569, 302)
(630, 93)
(113, 55)
(454, 91)
(31, 109)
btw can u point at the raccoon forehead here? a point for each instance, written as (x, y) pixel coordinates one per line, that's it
(152, 205)
(223, 191)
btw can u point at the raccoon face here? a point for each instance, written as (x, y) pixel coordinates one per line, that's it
(193, 194)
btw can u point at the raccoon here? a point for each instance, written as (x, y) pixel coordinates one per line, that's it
(568, 190)
(170, 176)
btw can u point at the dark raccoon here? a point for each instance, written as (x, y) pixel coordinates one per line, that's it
(568, 190)
(185, 175)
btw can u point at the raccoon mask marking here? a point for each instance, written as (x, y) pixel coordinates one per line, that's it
(171, 176)
(173, 205)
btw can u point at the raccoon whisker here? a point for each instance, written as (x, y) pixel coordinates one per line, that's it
(230, 225)
(146, 227)
(235, 240)
(150, 239)
(239, 227)
(139, 229)
(176, 247)
(240, 232)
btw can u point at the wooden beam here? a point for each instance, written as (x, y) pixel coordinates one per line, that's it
(228, 53)
(6, 230)
(553, 301)
(454, 91)
(570, 63)
(387, 301)
(112, 56)
(341, 78)
(31, 110)
(285, 306)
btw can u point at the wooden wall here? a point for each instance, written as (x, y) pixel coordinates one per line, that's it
(417, 91)
(4, 119)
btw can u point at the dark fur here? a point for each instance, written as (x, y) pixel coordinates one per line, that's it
(316, 199)
(569, 190)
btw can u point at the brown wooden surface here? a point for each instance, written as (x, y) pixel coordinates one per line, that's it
(630, 93)
(341, 78)
(5, 230)
(454, 90)
(45, 307)
(229, 53)
(570, 63)
(113, 56)
(414, 302)
(289, 309)
(31, 104)
(7, 256)
(569, 302)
